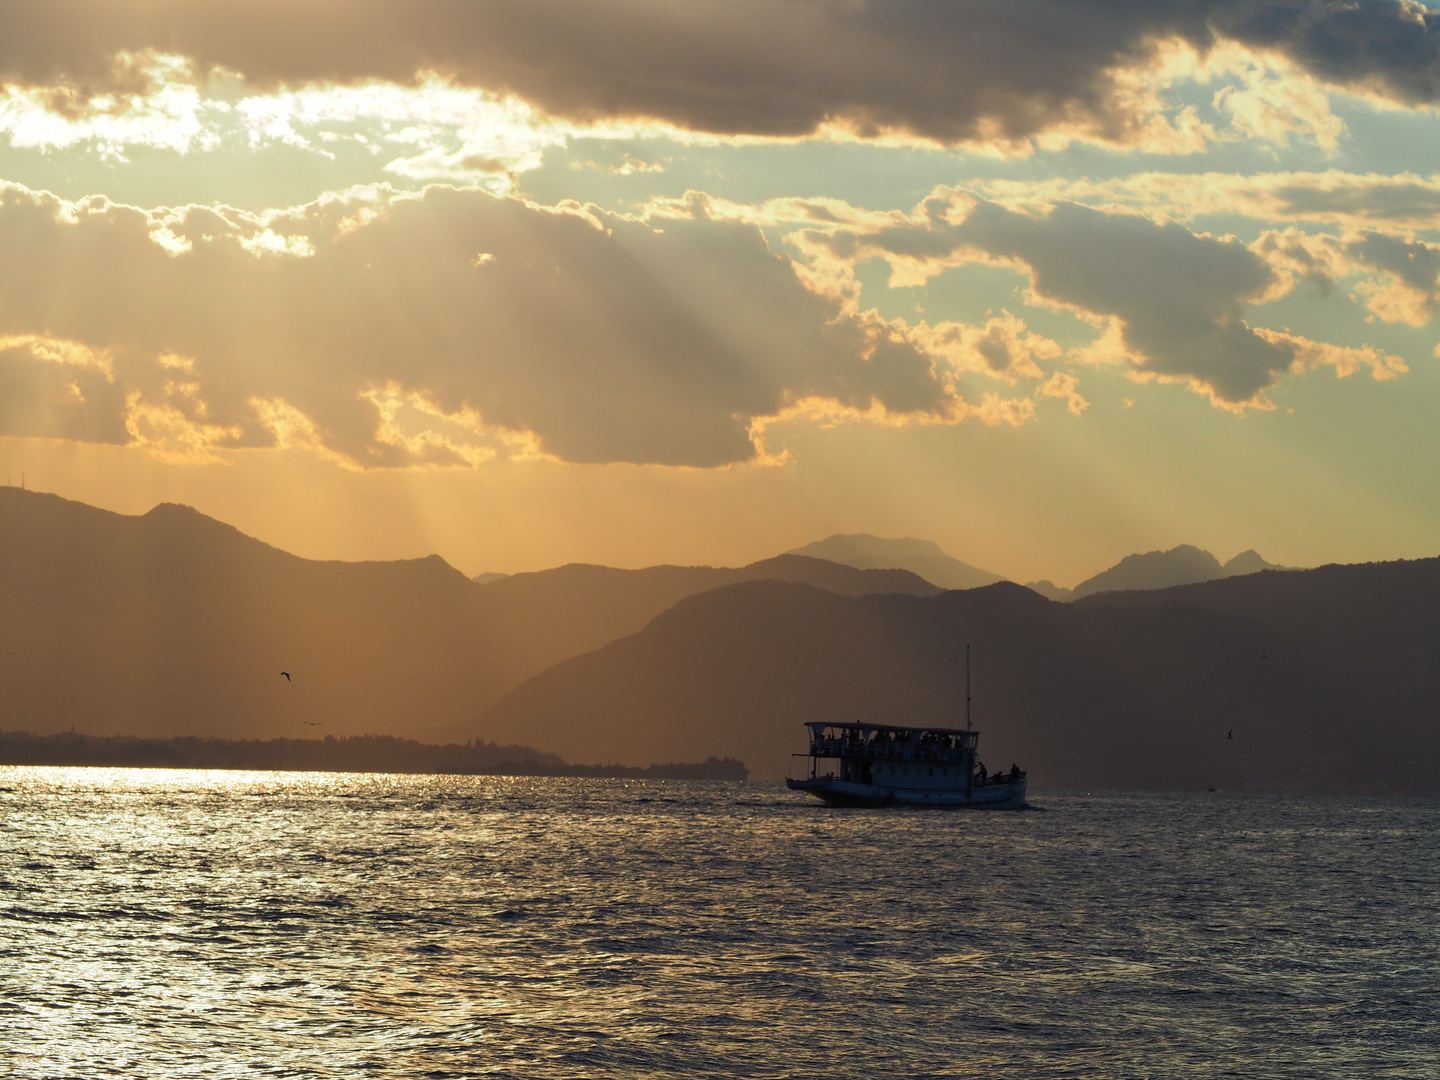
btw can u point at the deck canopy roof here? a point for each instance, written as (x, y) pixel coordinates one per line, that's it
(817, 726)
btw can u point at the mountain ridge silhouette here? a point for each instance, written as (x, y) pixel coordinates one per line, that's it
(1181, 565)
(173, 623)
(1125, 690)
(923, 557)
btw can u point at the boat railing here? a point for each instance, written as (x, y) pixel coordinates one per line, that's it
(883, 749)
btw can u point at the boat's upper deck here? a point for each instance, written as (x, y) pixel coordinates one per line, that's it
(891, 741)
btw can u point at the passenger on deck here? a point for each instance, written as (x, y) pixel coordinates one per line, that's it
(1014, 772)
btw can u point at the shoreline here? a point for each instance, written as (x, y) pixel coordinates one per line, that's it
(352, 754)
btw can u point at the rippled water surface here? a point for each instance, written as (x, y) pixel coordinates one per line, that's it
(186, 924)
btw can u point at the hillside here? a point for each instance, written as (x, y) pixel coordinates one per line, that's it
(1373, 609)
(921, 557)
(1134, 694)
(174, 623)
(573, 609)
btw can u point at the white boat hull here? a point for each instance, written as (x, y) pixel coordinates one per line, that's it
(990, 796)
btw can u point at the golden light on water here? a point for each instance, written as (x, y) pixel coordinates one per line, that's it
(338, 925)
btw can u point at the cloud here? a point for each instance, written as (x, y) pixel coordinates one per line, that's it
(948, 71)
(1388, 48)
(59, 389)
(1374, 219)
(1271, 107)
(1176, 297)
(160, 111)
(1411, 291)
(380, 329)
(439, 131)
(1002, 348)
(445, 132)
(1344, 360)
(1171, 303)
(1403, 282)
(1063, 385)
(1350, 201)
(1404, 200)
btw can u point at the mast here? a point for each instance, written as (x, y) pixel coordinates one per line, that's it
(967, 686)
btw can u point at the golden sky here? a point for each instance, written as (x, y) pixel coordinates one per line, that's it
(642, 281)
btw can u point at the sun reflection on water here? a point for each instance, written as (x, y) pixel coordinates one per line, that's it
(171, 923)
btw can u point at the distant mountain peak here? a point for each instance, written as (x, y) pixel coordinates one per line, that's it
(865, 551)
(868, 544)
(163, 508)
(1185, 564)
(1048, 589)
(1249, 562)
(1182, 565)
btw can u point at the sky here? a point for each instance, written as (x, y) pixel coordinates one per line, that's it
(525, 282)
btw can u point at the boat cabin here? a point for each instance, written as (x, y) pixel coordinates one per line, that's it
(859, 748)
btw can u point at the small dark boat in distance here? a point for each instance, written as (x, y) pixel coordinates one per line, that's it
(889, 764)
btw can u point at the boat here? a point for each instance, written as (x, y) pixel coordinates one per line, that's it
(899, 765)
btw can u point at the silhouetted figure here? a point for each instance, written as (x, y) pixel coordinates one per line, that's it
(286, 674)
(1014, 772)
(1230, 734)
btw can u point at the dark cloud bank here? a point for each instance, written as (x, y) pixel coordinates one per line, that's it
(942, 69)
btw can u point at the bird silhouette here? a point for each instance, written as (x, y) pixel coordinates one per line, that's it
(286, 674)
(311, 723)
(1231, 734)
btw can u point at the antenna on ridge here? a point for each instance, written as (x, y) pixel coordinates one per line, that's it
(967, 686)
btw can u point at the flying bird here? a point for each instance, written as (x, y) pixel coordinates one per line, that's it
(286, 674)
(311, 723)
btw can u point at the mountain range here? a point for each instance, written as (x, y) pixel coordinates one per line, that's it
(172, 623)
(921, 557)
(1321, 680)
(1183, 565)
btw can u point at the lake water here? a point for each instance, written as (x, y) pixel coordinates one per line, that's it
(187, 924)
